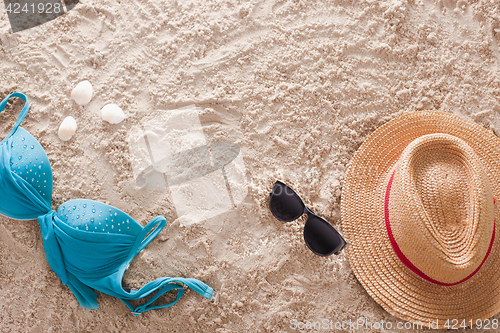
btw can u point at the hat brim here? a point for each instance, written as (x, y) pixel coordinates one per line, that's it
(394, 286)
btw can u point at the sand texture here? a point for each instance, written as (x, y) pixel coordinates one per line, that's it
(297, 85)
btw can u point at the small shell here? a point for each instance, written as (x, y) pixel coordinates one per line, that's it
(112, 113)
(82, 93)
(67, 129)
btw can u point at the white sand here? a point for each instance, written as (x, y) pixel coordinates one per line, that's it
(298, 85)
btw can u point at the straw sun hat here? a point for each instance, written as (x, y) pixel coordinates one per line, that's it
(420, 212)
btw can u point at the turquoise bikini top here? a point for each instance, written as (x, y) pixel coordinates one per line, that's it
(88, 244)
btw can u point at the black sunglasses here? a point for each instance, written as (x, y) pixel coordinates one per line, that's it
(319, 235)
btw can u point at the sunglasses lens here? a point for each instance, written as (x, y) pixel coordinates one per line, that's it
(321, 237)
(285, 204)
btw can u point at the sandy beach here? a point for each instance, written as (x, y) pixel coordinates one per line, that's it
(293, 86)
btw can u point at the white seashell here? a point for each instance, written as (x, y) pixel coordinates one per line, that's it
(82, 93)
(67, 129)
(112, 113)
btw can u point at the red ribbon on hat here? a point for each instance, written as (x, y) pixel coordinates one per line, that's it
(406, 261)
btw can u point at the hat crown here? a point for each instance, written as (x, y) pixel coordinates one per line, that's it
(441, 207)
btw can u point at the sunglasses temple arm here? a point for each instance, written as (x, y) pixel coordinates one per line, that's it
(344, 247)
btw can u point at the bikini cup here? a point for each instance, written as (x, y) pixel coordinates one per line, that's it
(25, 172)
(88, 244)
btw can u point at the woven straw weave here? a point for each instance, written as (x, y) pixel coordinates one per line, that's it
(446, 172)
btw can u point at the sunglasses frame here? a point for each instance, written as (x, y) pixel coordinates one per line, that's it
(310, 214)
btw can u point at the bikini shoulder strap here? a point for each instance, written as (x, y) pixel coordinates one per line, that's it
(23, 113)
